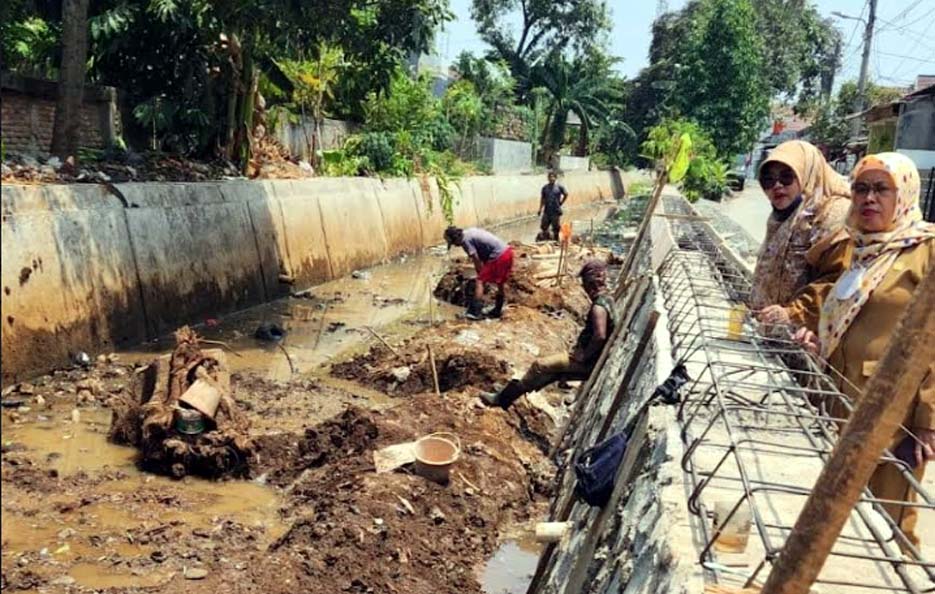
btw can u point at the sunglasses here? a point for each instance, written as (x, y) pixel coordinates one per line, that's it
(862, 189)
(768, 180)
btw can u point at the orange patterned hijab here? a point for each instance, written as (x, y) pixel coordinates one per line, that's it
(874, 253)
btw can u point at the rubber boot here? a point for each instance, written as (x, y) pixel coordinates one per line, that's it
(474, 310)
(505, 397)
(497, 310)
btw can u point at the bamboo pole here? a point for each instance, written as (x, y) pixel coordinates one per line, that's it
(623, 280)
(881, 410)
(438, 391)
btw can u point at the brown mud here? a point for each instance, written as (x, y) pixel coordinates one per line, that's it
(81, 515)
(534, 282)
(316, 517)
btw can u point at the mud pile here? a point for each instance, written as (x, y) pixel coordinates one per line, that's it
(411, 371)
(534, 282)
(358, 531)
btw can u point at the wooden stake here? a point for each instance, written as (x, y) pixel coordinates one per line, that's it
(881, 410)
(561, 259)
(380, 338)
(438, 391)
(431, 303)
(321, 326)
(624, 279)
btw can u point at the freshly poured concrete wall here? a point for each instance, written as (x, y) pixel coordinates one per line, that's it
(83, 272)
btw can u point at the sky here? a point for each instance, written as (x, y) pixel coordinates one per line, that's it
(903, 45)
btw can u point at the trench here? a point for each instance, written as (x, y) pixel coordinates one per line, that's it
(103, 515)
(330, 321)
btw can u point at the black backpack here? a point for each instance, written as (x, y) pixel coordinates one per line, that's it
(596, 469)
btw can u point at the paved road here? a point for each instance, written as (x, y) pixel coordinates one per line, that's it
(749, 209)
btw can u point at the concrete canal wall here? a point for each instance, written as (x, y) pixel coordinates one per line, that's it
(86, 268)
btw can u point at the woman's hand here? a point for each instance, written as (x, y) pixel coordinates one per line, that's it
(774, 315)
(925, 445)
(808, 340)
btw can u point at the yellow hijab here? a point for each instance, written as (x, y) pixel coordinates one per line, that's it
(813, 219)
(874, 253)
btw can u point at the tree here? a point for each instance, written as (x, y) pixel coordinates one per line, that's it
(798, 50)
(313, 88)
(720, 82)
(682, 152)
(66, 128)
(546, 26)
(802, 50)
(203, 57)
(583, 87)
(464, 110)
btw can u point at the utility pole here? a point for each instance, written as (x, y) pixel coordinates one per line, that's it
(864, 64)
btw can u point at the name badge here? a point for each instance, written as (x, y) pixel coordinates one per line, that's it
(849, 283)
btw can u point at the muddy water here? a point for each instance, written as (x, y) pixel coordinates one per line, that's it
(81, 537)
(339, 318)
(393, 300)
(511, 568)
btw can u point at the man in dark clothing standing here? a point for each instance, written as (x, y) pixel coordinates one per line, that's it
(493, 260)
(577, 364)
(551, 199)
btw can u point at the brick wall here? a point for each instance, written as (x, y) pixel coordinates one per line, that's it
(27, 107)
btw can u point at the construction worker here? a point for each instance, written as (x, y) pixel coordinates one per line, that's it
(493, 260)
(577, 364)
(551, 199)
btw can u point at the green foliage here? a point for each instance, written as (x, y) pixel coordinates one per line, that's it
(464, 111)
(721, 84)
(204, 55)
(639, 188)
(30, 46)
(830, 129)
(672, 143)
(313, 80)
(585, 87)
(802, 49)
(718, 62)
(408, 110)
(495, 87)
(338, 163)
(544, 27)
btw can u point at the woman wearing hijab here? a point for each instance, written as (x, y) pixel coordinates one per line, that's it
(892, 250)
(810, 201)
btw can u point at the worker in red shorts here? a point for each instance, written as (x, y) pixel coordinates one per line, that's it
(493, 260)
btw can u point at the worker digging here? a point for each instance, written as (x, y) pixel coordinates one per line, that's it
(493, 261)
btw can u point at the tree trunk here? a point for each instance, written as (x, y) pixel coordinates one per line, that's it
(236, 67)
(67, 126)
(248, 89)
(583, 138)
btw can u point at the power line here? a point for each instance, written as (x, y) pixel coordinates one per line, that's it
(904, 57)
(899, 66)
(901, 15)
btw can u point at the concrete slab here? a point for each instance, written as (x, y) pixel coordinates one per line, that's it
(195, 250)
(352, 223)
(69, 278)
(300, 236)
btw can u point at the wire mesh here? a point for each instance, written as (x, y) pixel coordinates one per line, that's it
(757, 431)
